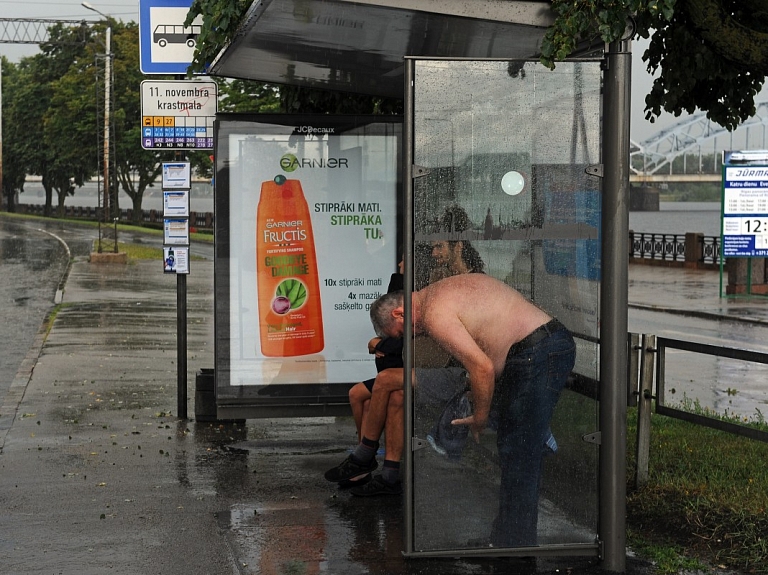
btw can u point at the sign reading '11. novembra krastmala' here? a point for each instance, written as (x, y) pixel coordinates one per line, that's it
(178, 114)
(745, 204)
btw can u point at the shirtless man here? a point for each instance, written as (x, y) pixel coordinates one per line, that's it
(510, 349)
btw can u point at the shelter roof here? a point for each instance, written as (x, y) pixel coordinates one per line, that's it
(359, 46)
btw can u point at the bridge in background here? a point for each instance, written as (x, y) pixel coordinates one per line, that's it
(648, 179)
(691, 150)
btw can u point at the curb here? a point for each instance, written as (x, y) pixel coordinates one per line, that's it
(699, 314)
(13, 398)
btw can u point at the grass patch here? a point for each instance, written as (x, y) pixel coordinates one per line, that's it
(707, 494)
(51, 318)
(201, 236)
(140, 252)
(668, 559)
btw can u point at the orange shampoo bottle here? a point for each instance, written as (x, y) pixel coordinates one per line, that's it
(290, 310)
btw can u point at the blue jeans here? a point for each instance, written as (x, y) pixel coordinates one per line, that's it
(524, 398)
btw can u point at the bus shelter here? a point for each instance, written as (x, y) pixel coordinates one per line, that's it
(526, 166)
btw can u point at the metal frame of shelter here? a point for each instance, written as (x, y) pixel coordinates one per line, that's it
(269, 48)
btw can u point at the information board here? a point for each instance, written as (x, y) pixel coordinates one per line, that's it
(178, 114)
(745, 204)
(306, 228)
(176, 231)
(176, 203)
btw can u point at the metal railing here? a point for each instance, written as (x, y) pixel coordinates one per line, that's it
(658, 246)
(688, 247)
(202, 220)
(648, 388)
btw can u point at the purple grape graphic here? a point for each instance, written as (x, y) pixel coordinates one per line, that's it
(281, 305)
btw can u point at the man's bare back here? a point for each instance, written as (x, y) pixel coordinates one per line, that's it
(476, 310)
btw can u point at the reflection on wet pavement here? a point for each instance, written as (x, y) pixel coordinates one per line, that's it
(32, 264)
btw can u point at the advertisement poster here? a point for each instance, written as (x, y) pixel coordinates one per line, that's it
(312, 243)
(745, 204)
(176, 260)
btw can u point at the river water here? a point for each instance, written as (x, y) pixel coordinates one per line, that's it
(672, 217)
(679, 218)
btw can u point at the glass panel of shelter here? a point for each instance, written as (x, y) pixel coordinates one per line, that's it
(505, 145)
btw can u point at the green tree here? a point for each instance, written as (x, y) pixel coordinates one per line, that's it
(39, 148)
(136, 168)
(14, 169)
(68, 129)
(132, 168)
(244, 96)
(711, 55)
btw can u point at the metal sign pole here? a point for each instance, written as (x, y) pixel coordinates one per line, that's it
(181, 345)
(176, 191)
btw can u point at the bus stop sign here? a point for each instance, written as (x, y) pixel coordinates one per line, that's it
(178, 114)
(166, 46)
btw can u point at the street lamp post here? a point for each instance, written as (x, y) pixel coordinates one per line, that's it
(107, 110)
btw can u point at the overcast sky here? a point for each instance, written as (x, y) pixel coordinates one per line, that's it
(128, 10)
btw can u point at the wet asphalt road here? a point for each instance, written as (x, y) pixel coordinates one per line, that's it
(34, 258)
(33, 261)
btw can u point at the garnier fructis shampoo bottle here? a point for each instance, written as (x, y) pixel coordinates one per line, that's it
(290, 314)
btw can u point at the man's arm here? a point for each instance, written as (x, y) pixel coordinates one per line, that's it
(452, 335)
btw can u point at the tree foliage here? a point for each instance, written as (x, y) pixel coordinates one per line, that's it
(710, 55)
(244, 96)
(135, 168)
(14, 168)
(220, 21)
(53, 117)
(68, 127)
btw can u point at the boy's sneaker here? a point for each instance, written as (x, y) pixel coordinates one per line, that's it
(377, 486)
(347, 483)
(350, 469)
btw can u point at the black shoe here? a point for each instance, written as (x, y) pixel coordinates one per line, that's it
(377, 486)
(350, 470)
(347, 483)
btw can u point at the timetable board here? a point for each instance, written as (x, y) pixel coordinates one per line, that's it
(184, 132)
(178, 114)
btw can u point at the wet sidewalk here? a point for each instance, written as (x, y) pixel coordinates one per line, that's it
(690, 292)
(98, 475)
